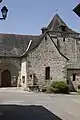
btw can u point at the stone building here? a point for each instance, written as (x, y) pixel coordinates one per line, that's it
(27, 60)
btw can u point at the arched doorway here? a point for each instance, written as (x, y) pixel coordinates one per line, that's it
(6, 79)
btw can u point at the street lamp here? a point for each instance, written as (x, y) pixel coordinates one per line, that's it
(0, 0)
(4, 11)
(77, 9)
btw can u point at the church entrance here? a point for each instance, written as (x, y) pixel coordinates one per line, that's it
(6, 79)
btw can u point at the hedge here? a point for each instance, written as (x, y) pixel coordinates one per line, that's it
(58, 87)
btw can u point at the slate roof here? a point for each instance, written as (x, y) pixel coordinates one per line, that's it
(12, 45)
(55, 24)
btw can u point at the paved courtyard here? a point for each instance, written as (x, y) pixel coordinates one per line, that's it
(64, 107)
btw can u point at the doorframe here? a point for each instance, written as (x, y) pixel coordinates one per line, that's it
(1, 77)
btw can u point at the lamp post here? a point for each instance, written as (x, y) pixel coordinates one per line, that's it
(77, 9)
(4, 12)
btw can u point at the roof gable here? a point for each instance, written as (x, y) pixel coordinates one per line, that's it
(55, 24)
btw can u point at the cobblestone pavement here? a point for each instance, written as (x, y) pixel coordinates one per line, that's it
(67, 107)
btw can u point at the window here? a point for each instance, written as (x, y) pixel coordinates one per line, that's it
(74, 76)
(47, 73)
(31, 76)
(58, 44)
(63, 28)
(45, 37)
(23, 79)
(63, 39)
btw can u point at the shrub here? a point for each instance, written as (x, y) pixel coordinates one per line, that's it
(50, 89)
(60, 87)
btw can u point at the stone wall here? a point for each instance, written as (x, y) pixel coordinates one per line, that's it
(74, 83)
(67, 47)
(78, 50)
(23, 73)
(70, 48)
(43, 56)
(11, 64)
(14, 61)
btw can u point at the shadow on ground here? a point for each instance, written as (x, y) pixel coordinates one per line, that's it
(32, 112)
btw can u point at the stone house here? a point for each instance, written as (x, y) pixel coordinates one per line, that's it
(27, 60)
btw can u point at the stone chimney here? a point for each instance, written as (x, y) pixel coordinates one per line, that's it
(44, 29)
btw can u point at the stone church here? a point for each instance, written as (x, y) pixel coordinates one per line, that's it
(54, 55)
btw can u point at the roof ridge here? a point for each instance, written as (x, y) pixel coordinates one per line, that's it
(19, 34)
(56, 17)
(56, 22)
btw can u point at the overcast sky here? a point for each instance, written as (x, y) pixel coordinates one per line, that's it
(29, 16)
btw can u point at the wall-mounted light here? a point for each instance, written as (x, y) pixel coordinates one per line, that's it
(4, 12)
(77, 9)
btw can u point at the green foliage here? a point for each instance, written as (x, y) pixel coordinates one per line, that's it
(50, 89)
(53, 90)
(59, 87)
(56, 87)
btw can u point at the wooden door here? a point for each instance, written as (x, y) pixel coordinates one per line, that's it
(6, 79)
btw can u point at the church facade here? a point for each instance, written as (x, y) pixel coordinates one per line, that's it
(54, 55)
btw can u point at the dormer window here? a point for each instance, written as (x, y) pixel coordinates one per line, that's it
(45, 37)
(63, 28)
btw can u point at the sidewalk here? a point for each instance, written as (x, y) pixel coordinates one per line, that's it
(11, 89)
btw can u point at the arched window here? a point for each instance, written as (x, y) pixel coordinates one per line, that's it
(47, 73)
